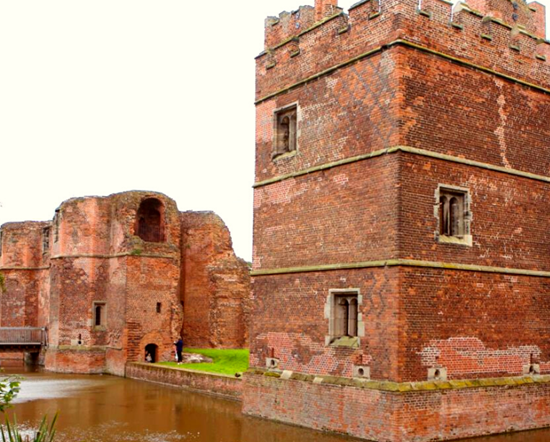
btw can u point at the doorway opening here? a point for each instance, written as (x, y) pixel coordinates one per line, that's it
(151, 351)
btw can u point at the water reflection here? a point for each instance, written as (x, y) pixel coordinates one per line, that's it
(109, 409)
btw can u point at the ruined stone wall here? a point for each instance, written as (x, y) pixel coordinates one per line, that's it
(107, 281)
(24, 265)
(215, 285)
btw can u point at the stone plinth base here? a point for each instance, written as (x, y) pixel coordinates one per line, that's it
(391, 412)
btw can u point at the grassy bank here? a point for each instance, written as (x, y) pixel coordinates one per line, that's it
(225, 361)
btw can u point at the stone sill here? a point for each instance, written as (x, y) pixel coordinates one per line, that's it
(346, 341)
(465, 240)
(406, 387)
(284, 156)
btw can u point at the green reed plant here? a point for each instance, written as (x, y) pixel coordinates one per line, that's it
(45, 432)
(9, 388)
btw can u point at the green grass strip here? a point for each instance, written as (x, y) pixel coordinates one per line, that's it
(225, 361)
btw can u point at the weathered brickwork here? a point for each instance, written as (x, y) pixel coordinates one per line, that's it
(452, 412)
(293, 229)
(400, 107)
(291, 325)
(215, 283)
(107, 279)
(226, 386)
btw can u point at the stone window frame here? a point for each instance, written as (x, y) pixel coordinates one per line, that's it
(277, 152)
(330, 315)
(103, 318)
(465, 237)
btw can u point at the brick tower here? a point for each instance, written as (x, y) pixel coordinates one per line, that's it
(401, 234)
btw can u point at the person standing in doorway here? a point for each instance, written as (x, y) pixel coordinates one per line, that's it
(179, 350)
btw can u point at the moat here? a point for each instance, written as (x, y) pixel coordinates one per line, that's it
(109, 409)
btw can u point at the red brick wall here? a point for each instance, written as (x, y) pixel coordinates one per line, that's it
(342, 215)
(348, 113)
(23, 265)
(221, 385)
(366, 414)
(150, 281)
(386, 416)
(289, 322)
(462, 112)
(473, 324)
(419, 82)
(215, 285)
(96, 255)
(323, 47)
(509, 224)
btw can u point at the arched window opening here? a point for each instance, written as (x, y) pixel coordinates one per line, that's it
(151, 353)
(452, 213)
(99, 314)
(341, 318)
(285, 131)
(344, 316)
(150, 220)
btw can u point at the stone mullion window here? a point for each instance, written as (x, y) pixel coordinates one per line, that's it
(345, 320)
(285, 138)
(453, 215)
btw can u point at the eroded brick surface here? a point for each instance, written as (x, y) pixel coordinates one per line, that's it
(129, 254)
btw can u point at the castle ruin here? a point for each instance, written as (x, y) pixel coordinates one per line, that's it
(115, 278)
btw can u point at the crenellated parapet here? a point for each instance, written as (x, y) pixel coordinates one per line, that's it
(291, 24)
(527, 16)
(499, 35)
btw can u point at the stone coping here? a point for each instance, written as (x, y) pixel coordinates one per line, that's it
(188, 370)
(405, 387)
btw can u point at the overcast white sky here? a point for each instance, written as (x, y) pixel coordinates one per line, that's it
(104, 96)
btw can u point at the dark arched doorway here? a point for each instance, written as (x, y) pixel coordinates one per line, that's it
(151, 353)
(150, 220)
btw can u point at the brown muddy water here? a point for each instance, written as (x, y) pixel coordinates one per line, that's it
(112, 409)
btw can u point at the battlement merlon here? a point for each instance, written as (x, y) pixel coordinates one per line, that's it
(290, 24)
(530, 17)
(527, 17)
